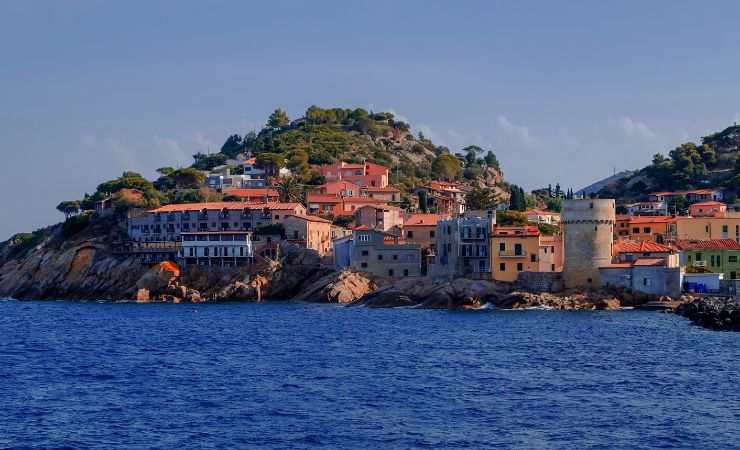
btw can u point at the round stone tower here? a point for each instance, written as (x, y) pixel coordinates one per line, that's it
(588, 232)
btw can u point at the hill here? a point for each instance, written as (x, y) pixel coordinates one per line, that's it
(714, 163)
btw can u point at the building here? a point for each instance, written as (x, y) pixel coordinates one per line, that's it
(642, 228)
(650, 208)
(550, 254)
(338, 189)
(717, 256)
(692, 196)
(223, 249)
(422, 229)
(309, 232)
(628, 251)
(540, 216)
(702, 283)
(364, 175)
(169, 222)
(380, 253)
(220, 178)
(443, 198)
(326, 205)
(708, 209)
(588, 233)
(463, 247)
(514, 250)
(380, 217)
(646, 275)
(386, 194)
(705, 228)
(255, 195)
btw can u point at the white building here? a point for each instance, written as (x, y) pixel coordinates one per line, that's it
(224, 249)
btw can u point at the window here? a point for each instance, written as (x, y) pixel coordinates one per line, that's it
(502, 267)
(206, 251)
(646, 230)
(363, 265)
(364, 253)
(431, 234)
(724, 228)
(732, 259)
(380, 257)
(518, 249)
(409, 234)
(501, 247)
(405, 272)
(295, 234)
(552, 267)
(390, 272)
(699, 257)
(635, 230)
(519, 267)
(533, 258)
(481, 266)
(395, 257)
(191, 251)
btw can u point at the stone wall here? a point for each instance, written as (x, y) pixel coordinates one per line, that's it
(540, 281)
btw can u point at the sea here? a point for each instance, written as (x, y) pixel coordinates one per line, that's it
(292, 375)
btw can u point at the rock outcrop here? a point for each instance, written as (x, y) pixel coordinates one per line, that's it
(713, 313)
(569, 301)
(338, 287)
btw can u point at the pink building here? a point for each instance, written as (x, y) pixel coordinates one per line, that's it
(379, 217)
(367, 174)
(708, 209)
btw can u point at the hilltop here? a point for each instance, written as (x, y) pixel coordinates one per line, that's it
(713, 163)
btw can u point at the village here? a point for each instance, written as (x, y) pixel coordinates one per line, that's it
(648, 247)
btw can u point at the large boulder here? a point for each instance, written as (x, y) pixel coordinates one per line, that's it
(339, 287)
(159, 277)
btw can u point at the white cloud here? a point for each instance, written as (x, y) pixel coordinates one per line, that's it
(520, 132)
(635, 128)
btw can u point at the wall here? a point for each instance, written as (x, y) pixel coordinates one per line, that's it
(540, 281)
(588, 227)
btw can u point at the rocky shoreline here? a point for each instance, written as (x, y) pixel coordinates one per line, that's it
(721, 314)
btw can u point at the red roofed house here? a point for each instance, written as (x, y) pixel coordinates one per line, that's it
(444, 198)
(338, 206)
(647, 275)
(421, 229)
(550, 254)
(708, 209)
(695, 195)
(642, 228)
(365, 175)
(629, 251)
(387, 194)
(514, 250)
(338, 189)
(716, 255)
(254, 194)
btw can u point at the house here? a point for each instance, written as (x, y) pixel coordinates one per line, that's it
(628, 251)
(378, 253)
(702, 283)
(716, 255)
(650, 208)
(365, 174)
(256, 195)
(309, 232)
(706, 228)
(422, 229)
(550, 253)
(642, 228)
(223, 249)
(338, 189)
(692, 196)
(463, 247)
(379, 217)
(514, 250)
(337, 206)
(386, 194)
(708, 209)
(540, 216)
(443, 197)
(646, 275)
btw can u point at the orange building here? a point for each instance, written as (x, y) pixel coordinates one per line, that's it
(366, 174)
(254, 194)
(514, 250)
(310, 232)
(422, 229)
(642, 228)
(550, 254)
(708, 209)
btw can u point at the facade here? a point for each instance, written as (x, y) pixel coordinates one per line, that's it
(514, 250)
(422, 229)
(338, 189)
(717, 256)
(386, 194)
(366, 174)
(443, 198)
(380, 217)
(588, 233)
(308, 231)
(646, 275)
(382, 254)
(540, 216)
(705, 228)
(695, 195)
(256, 195)
(650, 208)
(708, 209)
(702, 283)
(223, 249)
(463, 247)
(338, 206)
(550, 254)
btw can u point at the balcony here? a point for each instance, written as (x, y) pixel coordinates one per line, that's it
(506, 254)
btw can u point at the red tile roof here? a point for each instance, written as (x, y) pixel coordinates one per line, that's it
(381, 189)
(423, 220)
(179, 207)
(252, 192)
(322, 198)
(708, 203)
(649, 262)
(713, 244)
(640, 247)
(650, 219)
(309, 218)
(516, 231)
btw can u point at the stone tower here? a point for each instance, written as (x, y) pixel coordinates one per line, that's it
(588, 232)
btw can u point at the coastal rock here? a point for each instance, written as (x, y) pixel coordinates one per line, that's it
(573, 301)
(339, 287)
(142, 296)
(713, 313)
(297, 268)
(159, 278)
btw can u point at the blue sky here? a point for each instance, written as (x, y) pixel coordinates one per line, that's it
(561, 91)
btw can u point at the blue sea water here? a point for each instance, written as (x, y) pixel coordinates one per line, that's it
(282, 375)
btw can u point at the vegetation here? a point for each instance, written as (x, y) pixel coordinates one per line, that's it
(511, 218)
(481, 198)
(75, 224)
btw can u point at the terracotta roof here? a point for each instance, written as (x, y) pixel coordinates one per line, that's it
(423, 220)
(179, 207)
(252, 192)
(541, 212)
(649, 262)
(713, 244)
(309, 218)
(640, 247)
(375, 169)
(693, 191)
(617, 266)
(362, 200)
(708, 203)
(381, 189)
(361, 228)
(322, 198)
(276, 205)
(650, 219)
(516, 231)
(338, 184)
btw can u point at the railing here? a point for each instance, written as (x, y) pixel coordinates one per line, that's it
(506, 254)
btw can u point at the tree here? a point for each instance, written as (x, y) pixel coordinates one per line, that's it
(289, 189)
(491, 160)
(188, 178)
(446, 167)
(69, 208)
(165, 171)
(278, 119)
(233, 146)
(518, 201)
(480, 198)
(271, 162)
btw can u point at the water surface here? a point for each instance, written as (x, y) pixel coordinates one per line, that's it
(294, 376)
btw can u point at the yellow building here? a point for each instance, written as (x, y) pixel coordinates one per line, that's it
(514, 250)
(706, 228)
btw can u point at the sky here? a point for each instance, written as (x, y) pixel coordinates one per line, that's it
(562, 92)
